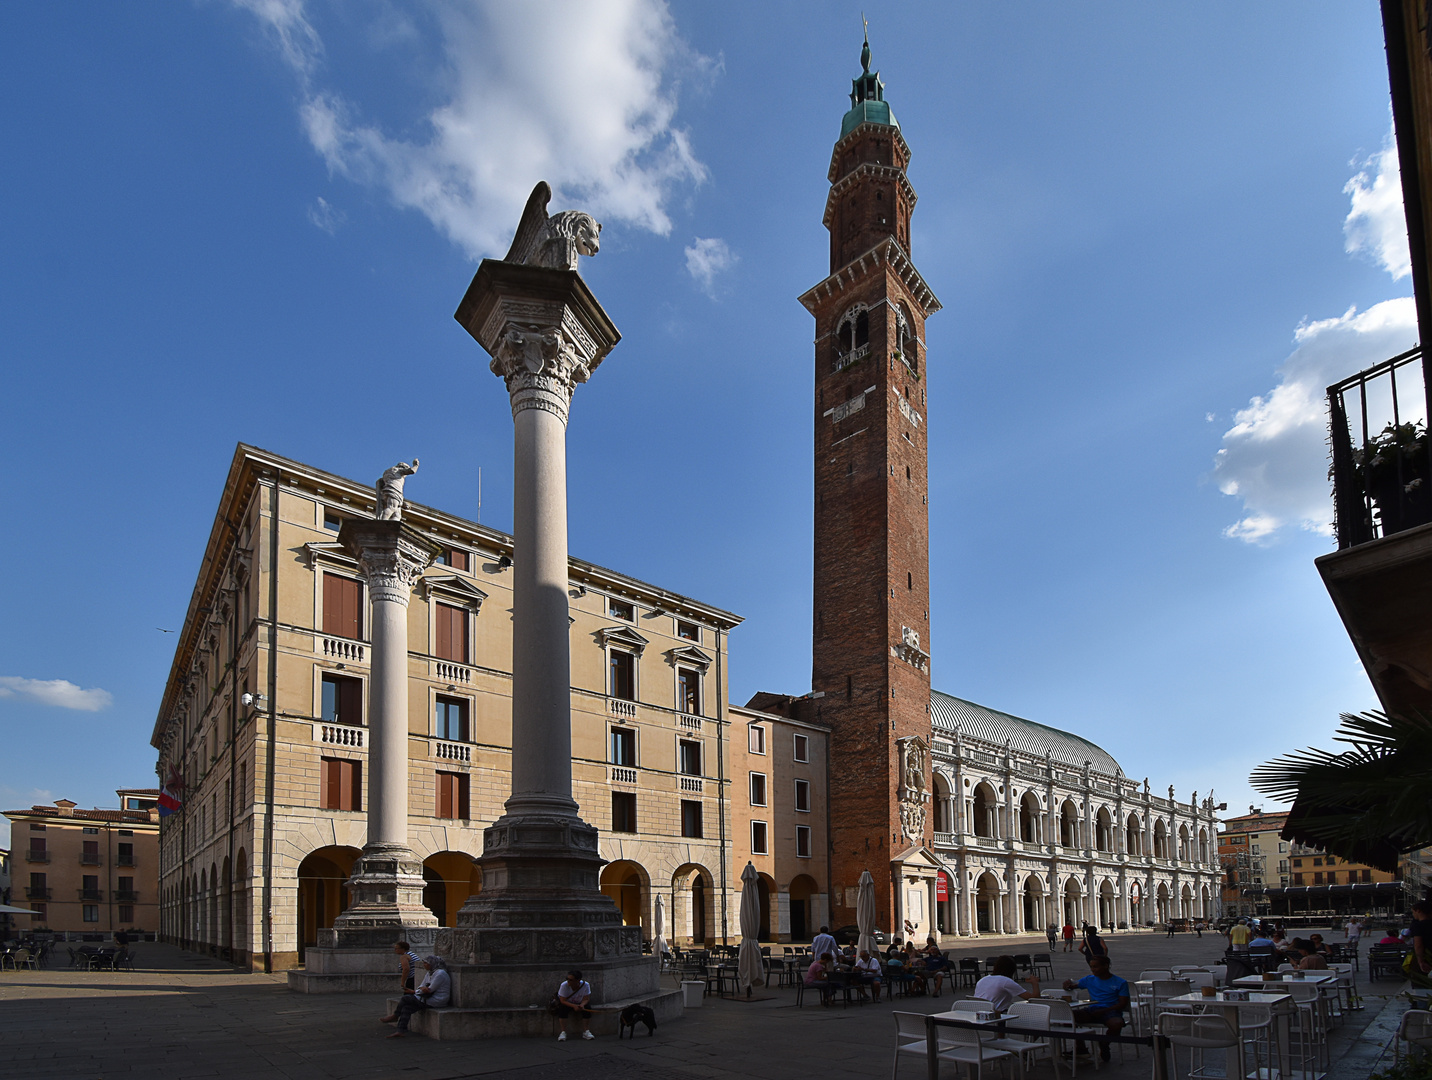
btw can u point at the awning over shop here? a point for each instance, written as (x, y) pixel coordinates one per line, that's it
(1367, 888)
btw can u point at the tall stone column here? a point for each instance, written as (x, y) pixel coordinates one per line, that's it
(385, 888)
(541, 910)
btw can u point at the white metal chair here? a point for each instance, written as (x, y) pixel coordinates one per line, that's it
(1219, 973)
(1202, 1032)
(1310, 1022)
(24, 958)
(1155, 973)
(1415, 1030)
(1061, 1016)
(963, 1045)
(1029, 1049)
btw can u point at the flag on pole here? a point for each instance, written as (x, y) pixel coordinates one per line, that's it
(168, 802)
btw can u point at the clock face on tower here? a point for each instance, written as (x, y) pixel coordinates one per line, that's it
(870, 650)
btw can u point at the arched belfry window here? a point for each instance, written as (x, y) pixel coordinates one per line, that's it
(905, 345)
(852, 338)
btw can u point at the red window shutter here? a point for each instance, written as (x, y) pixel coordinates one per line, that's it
(444, 792)
(443, 648)
(350, 702)
(342, 598)
(452, 633)
(332, 795)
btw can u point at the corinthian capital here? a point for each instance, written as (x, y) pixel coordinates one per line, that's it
(542, 363)
(542, 327)
(391, 555)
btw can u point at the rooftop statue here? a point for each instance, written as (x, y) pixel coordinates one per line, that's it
(390, 490)
(553, 241)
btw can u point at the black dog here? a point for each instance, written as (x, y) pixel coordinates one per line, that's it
(633, 1015)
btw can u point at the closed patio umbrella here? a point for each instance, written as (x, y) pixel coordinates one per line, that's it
(865, 913)
(659, 947)
(749, 971)
(6, 909)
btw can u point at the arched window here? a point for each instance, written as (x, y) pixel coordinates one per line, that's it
(852, 338)
(1104, 830)
(905, 345)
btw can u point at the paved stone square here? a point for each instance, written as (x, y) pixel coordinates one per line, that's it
(180, 1016)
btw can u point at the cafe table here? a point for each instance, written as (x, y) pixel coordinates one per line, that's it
(1282, 1031)
(1314, 978)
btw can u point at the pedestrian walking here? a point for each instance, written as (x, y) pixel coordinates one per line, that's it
(1068, 937)
(1052, 933)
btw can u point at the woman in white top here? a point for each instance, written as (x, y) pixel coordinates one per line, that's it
(434, 993)
(999, 987)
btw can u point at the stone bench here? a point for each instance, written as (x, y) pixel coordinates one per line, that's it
(535, 1022)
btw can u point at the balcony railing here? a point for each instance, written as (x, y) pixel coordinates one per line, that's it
(126, 896)
(344, 650)
(688, 721)
(89, 859)
(37, 893)
(620, 774)
(37, 855)
(91, 894)
(452, 673)
(621, 708)
(125, 860)
(339, 735)
(451, 751)
(845, 359)
(1382, 458)
(691, 784)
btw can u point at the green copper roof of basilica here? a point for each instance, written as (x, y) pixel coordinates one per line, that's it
(867, 98)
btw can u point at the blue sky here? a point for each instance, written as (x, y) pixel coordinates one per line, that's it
(253, 221)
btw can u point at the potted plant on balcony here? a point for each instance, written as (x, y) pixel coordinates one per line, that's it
(1395, 474)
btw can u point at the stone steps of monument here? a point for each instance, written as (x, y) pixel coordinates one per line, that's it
(456, 1023)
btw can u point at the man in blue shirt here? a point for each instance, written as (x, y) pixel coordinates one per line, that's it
(1108, 999)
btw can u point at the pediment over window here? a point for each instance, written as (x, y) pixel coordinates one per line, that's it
(623, 637)
(689, 654)
(453, 588)
(331, 552)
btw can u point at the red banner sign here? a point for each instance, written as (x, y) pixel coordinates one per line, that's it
(942, 888)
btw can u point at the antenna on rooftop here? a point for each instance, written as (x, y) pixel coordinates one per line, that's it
(479, 494)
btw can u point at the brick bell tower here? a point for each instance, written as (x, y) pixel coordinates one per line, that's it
(871, 611)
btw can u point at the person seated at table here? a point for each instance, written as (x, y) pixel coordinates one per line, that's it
(869, 970)
(818, 975)
(1319, 945)
(935, 967)
(1108, 1000)
(893, 950)
(1309, 958)
(999, 987)
(1261, 941)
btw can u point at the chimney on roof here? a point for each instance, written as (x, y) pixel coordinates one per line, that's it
(66, 807)
(154, 813)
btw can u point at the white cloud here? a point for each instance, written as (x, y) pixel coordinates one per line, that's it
(582, 95)
(326, 216)
(706, 258)
(1376, 224)
(59, 692)
(1275, 456)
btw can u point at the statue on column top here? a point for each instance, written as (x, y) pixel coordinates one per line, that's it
(554, 241)
(390, 490)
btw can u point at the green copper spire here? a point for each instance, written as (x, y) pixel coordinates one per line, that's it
(867, 97)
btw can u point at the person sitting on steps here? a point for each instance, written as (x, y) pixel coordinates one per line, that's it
(574, 998)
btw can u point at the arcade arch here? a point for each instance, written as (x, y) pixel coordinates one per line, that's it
(322, 891)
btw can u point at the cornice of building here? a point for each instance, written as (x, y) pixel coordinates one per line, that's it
(873, 170)
(886, 254)
(252, 467)
(855, 133)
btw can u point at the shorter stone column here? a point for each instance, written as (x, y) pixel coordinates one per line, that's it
(385, 887)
